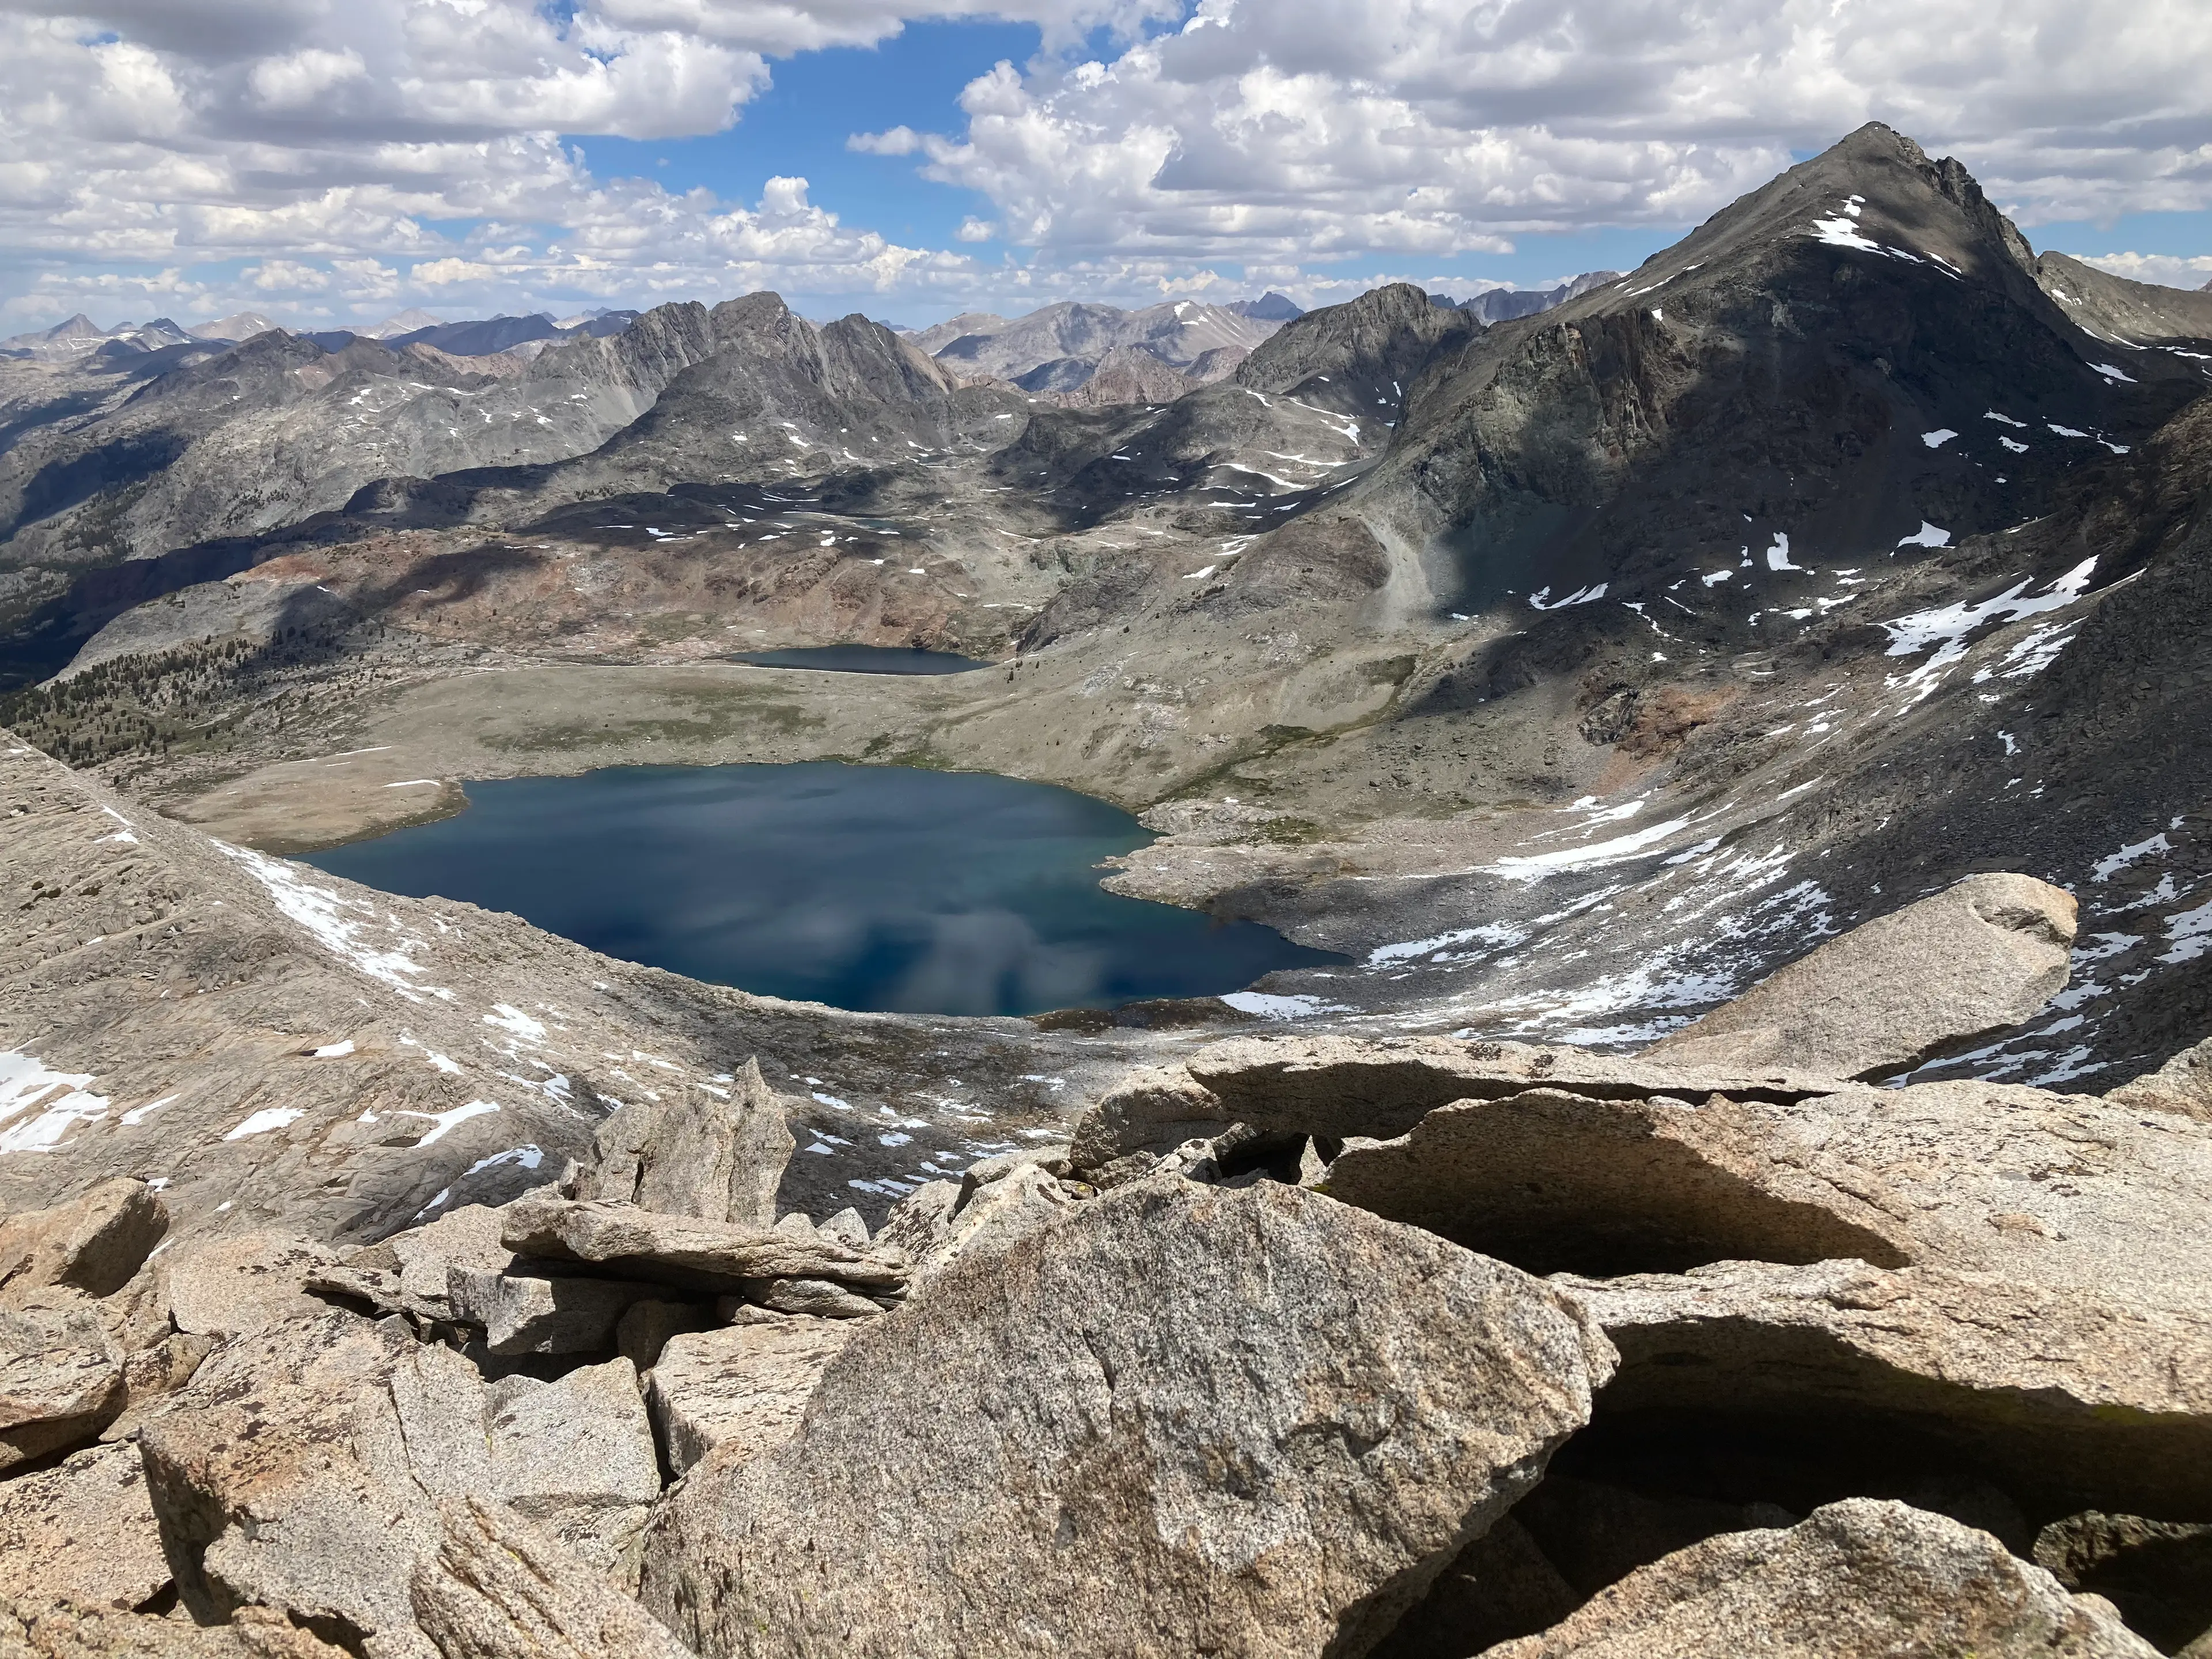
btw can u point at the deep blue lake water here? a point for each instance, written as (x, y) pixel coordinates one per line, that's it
(869, 887)
(863, 659)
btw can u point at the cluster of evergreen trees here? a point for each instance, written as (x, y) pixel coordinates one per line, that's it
(193, 697)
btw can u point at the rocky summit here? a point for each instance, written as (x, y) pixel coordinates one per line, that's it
(1740, 1184)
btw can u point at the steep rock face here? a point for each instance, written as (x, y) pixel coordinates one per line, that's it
(1261, 1419)
(1365, 352)
(1853, 1581)
(774, 399)
(1125, 374)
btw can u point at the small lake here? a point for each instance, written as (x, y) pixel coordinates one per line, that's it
(862, 659)
(869, 887)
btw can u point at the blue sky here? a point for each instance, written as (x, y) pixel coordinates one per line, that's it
(800, 124)
(816, 101)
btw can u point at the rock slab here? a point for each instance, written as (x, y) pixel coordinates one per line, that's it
(1259, 1420)
(1934, 978)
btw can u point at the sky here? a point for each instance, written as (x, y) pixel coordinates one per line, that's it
(334, 161)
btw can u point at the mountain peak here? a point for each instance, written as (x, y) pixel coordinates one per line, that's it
(406, 322)
(1875, 190)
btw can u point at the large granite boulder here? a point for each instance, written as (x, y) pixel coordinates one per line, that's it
(1861, 1579)
(81, 1533)
(1934, 978)
(68, 1632)
(61, 1377)
(740, 1390)
(577, 1456)
(524, 1314)
(2059, 1190)
(1149, 1113)
(1555, 1182)
(1259, 1420)
(1332, 1088)
(2157, 1573)
(2183, 1084)
(292, 1472)
(240, 1282)
(997, 1200)
(719, 1159)
(94, 1244)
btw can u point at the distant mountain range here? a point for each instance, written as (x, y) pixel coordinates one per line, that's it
(1503, 304)
(81, 335)
(1056, 351)
(481, 337)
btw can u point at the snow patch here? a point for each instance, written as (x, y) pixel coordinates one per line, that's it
(1537, 866)
(61, 1097)
(1489, 933)
(2190, 933)
(2105, 868)
(1541, 598)
(344, 927)
(1927, 536)
(1947, 627)
(513, 1020)
(1279, 1007)
(267, 1118)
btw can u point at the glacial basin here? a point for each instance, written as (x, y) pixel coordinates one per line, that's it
(866, 887)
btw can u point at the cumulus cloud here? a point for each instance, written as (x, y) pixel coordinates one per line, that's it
(163, 153)
(2168, 270)
(1336, 128)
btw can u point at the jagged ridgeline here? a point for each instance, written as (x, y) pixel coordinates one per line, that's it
(1740, 1186)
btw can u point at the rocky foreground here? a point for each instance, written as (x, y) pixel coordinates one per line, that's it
(1311, 1346)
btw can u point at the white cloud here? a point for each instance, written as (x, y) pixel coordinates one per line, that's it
(296, 79)
(151, 149)
(1330, 128)
(2168, 270)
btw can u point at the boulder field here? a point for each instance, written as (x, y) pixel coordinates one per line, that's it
(1322, 1345)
